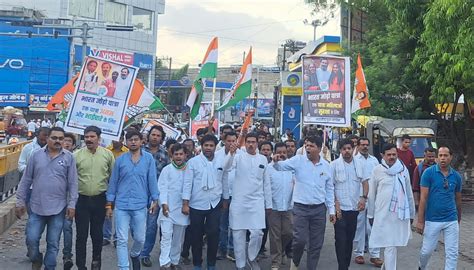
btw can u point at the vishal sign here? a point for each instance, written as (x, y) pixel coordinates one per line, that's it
(121, 57)
(12, 63)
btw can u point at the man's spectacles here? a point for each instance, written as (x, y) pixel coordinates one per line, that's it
(55, 138)
(445, 183)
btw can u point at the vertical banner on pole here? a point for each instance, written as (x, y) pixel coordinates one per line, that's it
(326, 91)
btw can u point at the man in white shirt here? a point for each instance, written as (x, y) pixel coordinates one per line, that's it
(251, 201)
(31, 128)
(172, 221)
(391, 207)
(363, 227)
(226, 246)
(323, 74)
(348, 174)
(37, 143)
(313, 195)
(123, 84)
(281, 219)
(203, 190)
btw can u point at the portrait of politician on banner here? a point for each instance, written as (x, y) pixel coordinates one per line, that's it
(326, 95)
(101, 97)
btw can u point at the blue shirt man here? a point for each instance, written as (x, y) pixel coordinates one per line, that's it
(132, 184)
(440, 209)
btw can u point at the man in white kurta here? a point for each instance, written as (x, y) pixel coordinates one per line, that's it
(363, 227)
(250, 198)
(172, 221)
(391, 207)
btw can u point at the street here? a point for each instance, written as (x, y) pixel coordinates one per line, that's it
(13, 250)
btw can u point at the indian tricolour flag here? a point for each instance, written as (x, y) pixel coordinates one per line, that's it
(243, 85)
(142, 100)
(208, 70)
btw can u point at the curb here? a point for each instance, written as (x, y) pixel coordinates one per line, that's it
(7, 214)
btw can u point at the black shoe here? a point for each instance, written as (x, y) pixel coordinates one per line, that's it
(146, 262)
(221, 255)
(67, 263)
(105, 242)
(135, 262)
(231, 256)
(185, 260)
(36, 265)
(95, 265)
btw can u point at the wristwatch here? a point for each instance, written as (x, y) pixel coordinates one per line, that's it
(364, 196)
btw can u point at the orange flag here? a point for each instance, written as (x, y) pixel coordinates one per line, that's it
(360, 98)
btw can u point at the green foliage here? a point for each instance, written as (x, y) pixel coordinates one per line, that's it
(180, 73)
(446, 52)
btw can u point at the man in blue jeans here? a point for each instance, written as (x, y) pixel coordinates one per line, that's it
(132, 184)
(440, 209)
(69, 143)
(51, 171)
(156, 135)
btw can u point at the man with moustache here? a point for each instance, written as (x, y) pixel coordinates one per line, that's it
(204, 194)
(428, 161)
(391, 207)
(155, 147)
(51, 172)
(369, 162)
(132, 185)
(280, 221)
(348, 175)
(291, 148)
(440, 209)
(94, 166)
(313, 195)
(251, 201)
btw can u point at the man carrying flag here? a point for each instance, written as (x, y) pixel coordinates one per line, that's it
(360, 99)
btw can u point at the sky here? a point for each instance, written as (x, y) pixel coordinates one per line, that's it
(187, 27)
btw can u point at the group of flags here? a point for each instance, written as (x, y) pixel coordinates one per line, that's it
(143, 99)
(240, 90)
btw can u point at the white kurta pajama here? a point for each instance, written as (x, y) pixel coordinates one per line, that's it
(251, 195)
(172, 227)
(388, 230)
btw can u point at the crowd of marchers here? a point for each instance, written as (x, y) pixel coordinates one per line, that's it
(229, 196)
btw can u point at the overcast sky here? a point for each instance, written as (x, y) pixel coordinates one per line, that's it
(187, 27)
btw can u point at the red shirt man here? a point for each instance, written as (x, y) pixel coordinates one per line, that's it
(406, 155)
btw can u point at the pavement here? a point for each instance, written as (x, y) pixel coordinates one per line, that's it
(13, 250)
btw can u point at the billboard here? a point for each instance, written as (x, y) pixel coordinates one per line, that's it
(142, 61)
(101, 97)
(31, 66)
(265, 107)
(326, 91)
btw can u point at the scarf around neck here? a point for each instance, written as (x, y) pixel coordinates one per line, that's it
(208, 180)
(399, 202)
(179, 167)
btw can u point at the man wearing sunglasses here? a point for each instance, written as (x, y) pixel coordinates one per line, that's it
(440, 209)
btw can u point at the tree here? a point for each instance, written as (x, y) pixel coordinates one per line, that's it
(180, 73)
(445, 57)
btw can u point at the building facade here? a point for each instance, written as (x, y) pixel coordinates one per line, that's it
(137, 47)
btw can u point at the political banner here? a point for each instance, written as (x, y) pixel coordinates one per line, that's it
(326, 91)
(202, 119)
(171, 132)
(101, 96)
(265, 107)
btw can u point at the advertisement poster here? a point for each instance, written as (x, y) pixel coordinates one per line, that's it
(326, 91)
(202, 119)
(265, 107)
(101, 97)
(171, 132)
(291, 115)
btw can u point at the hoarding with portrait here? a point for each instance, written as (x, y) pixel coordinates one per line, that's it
(326, 91)
(101, 97)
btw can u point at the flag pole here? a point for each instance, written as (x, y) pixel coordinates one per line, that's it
(213, 96)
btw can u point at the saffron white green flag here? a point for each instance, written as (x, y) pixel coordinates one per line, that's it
(208, 70)
(243, 85)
